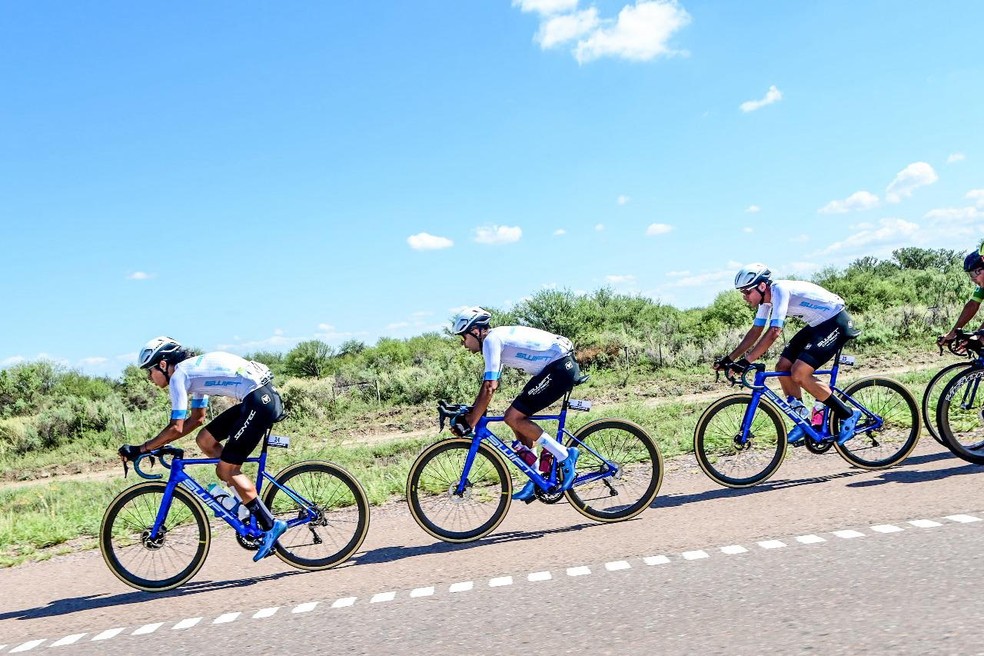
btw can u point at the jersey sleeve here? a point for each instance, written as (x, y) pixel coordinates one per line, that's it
(492, 352)
(762, 315)
(978, 295)
(780, 305)
(179, 396)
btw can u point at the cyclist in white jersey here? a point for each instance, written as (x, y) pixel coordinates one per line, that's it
(190, 380)
(829, 327)
(548, 357)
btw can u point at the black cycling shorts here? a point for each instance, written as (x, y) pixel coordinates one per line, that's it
(556, 379)
(245, 424)
(815, 345)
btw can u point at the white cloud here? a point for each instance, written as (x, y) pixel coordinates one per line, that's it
(976, 195)
(917, 174)
(423, 241)
(640, 33)
(11, 361)
(496, 234)
(93, 361)
(599, 227)
(617, 279)
(623, 200)
(658, 229)
(701, 279)
(559, 232)
(885, 231)
(753, 209)
(140, 275)
(954, 214)
(546, 7)
(859, 200)
(771, 96)
(747, 229)
(567, 27)
(955, 157)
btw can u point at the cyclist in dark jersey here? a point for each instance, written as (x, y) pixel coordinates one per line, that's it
(190, 379)
(974, 266)
(829, 327)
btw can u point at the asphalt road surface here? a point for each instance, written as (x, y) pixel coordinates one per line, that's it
(822, 559)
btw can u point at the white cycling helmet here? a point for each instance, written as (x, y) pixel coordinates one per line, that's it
(473, 317)
(156, 350)
(751, 275)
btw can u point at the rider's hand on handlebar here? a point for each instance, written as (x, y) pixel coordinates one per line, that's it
(129, 452)
(721, 363)
(739, 366)
(459, 426)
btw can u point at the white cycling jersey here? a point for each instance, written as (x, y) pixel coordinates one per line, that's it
(521, 347)
(213, 374)
(798, 298)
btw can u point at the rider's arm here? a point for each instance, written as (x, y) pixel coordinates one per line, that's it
(762, 346)
(175, 429)
(747, 342)
(968, 312)
(482, 401)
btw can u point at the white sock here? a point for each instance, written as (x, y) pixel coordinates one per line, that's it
(553, 446)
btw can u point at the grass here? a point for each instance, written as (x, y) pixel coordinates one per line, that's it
(40, 520)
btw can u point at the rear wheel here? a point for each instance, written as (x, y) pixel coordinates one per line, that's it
(721, 451)
(326, 511)
(889, 425)
(432, 491)
(607, 495)
(145, 561)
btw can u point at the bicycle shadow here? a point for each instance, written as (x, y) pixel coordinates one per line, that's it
(76, 604)
(394, 553)
(891, 475)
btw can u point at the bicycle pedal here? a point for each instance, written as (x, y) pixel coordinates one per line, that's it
(530, 500)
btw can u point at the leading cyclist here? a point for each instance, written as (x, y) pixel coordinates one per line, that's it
(974, 266)
(549, 357)
(829, 327)
(218, 374)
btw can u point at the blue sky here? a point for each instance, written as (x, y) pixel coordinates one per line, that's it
(247, 175)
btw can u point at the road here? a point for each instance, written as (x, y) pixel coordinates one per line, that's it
(824, 558)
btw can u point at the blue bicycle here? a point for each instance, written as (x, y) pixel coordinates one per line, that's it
(740, 440)
(966, 345)
(156, 535)
(460, 489)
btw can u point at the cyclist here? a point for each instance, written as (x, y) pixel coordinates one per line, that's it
(829, 326)
(974, 266)
(548, 357)
(170, 365)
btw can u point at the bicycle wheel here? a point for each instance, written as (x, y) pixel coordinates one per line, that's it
(931, 396)
(960, 416)
(718, 447)
(895, 406)
(326, 510)
(154, 564)
(633, 488)
(452, 517)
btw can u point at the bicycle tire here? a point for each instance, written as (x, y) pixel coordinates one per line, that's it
(340, 508)
(889, 445)
(959, 416)
(931, 396)
(716, 434)
(639, 479)
(125, 544)
(430, 491)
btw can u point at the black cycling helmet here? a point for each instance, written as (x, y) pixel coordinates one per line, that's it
(973, 261)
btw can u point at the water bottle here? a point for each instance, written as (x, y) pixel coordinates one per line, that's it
(524, 452)
(229, 500)
(546, 460)
(816, 419)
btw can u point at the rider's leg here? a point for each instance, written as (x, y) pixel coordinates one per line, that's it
(210, 446)
(789, 386)
(529, 433)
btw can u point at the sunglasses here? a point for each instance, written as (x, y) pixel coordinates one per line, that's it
(973, 273)
(749, 290)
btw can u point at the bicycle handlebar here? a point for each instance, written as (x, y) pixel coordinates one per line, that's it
(964, 343)
(450, 411)
(165, 454)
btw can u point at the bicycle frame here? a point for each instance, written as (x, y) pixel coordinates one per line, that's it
(482, 432)
(760, 388)
(178, 476)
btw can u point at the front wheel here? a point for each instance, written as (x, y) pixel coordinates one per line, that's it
(607, 494)
(729, 456)
(148, 562)
(889, 425)
(960, 416)
(931, 397)
(326, 510)
(435, 502)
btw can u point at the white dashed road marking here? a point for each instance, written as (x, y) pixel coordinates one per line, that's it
(500, 581)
